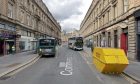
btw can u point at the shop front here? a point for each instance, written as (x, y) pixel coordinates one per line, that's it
(7, 42)
(27, 43)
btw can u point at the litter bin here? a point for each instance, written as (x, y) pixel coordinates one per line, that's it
(110, 60)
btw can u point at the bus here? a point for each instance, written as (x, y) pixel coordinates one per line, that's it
(75, 43)
(47, 47)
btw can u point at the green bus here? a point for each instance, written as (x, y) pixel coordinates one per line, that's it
(47, 47)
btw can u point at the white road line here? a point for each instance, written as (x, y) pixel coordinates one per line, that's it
(90, 66)
(68, 67)
(62, 64)
(83, 55)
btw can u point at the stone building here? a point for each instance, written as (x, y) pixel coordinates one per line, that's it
(66, 35)
(114, 23)
(22, 22)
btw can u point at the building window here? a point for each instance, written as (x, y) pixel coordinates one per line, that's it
(116, 39)
(28, 20)
(27, 33)
(97, 12)
(100, 9)
(109, 39)
(10, 10)
(103, 19)
(100, 40)
(126, 5)
(109, 15)
(97, 41)
(22, 17)
(115, 11)
(97, 23)
(103, 4)
(94, 27)
(22, 45)
(33, 8)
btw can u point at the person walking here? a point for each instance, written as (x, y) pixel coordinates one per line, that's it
(13, 49)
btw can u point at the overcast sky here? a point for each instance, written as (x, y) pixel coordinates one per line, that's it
(69, 13)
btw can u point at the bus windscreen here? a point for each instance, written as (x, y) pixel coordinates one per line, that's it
(46, 42)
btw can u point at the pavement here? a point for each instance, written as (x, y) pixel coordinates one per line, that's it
(9, 63)
(133, 69)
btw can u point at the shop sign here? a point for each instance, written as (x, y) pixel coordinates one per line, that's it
(5, 35)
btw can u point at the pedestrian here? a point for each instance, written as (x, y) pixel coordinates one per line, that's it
(7, 48)
(103, 42)
(92, 47)
(13, 49)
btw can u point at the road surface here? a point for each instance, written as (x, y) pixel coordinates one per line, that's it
(68, 67)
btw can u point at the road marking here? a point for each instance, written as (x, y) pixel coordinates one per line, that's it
(132, 81)
(91, 67)
(85, 58)
(68, 67)
(62, 64)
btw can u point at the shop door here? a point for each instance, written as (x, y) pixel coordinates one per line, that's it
(138, 39)
(138, 47)
(1, 47)
(124, 42)
(10, 44)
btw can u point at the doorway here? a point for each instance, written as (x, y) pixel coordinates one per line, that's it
(124, 42)
(1, 47)
(138, 39)
(138, 47)
(115, 39)
(10, 45)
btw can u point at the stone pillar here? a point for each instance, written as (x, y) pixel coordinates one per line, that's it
(131, 38)
(106, 34)
(17, 39)
(119, 36)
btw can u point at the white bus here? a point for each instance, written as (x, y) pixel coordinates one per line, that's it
(75, 43)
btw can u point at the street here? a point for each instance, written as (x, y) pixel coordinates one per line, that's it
(68, 67)
(90, 41)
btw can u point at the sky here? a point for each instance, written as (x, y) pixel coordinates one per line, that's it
(69, 13)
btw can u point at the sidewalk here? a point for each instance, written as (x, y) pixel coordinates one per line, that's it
(14, 61)
(87, 50)
(133, 69)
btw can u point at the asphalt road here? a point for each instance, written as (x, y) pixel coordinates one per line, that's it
(68, 67)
